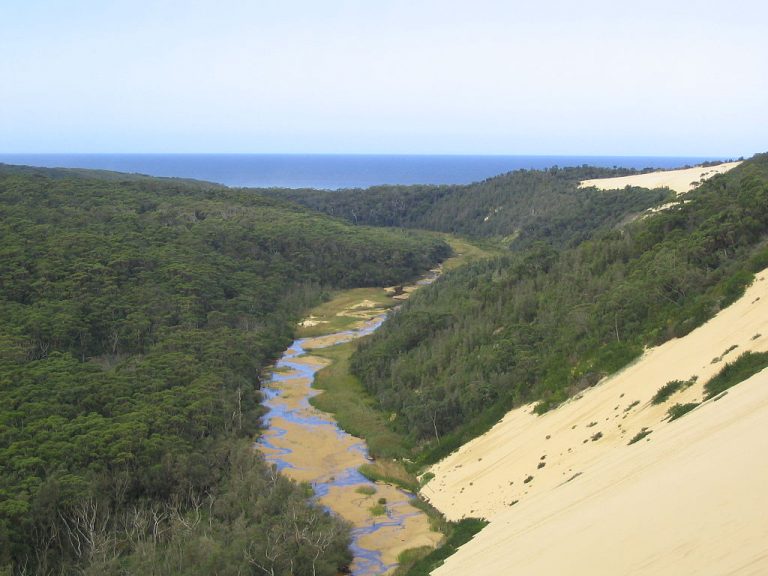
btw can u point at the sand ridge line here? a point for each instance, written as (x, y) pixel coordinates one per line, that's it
(681, 181)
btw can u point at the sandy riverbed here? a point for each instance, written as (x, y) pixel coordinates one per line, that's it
(390, 538)
(308, 446)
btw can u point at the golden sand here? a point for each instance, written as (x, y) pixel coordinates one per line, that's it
(691, 501)
(575, 475)
(390, 540)
(680, 181)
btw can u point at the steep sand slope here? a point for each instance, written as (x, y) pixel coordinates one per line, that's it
(680, 181)
(487, 475)
(691, 501)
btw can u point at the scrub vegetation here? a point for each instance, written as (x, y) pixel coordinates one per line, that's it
(669, 389)
(746, 365)
(415, 563)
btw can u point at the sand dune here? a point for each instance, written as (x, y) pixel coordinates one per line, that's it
(680, 181)
(566, 487)
(692, 501)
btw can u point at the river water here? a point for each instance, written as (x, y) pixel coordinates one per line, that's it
(307, 445)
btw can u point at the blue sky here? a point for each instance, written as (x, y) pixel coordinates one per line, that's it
(420, 76)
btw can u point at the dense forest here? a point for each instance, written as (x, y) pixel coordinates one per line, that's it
(520, 207)
(541, 324)
(137, 316)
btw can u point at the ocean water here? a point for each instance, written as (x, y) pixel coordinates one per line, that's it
(331, 171)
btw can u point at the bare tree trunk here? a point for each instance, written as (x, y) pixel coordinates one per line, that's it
(433, 417)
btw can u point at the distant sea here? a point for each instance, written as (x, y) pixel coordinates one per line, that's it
(331, 171)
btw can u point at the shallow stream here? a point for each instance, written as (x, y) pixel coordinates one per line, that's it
(307, 445)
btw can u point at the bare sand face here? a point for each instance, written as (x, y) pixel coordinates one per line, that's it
(566, 487)
(681, 181)
(489, 473)
(692, 501)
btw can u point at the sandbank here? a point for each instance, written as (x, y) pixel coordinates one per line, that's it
(337, 338)
(318, 453)
(311, 361)
(414, 530)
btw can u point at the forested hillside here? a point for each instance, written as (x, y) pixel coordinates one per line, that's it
(520, 207)
(137, 315)
(542, 324)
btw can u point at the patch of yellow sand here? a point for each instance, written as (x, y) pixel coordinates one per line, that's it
(295, 391)
(325, 341)
(333, 339)
(393, 541)
(366, 314)
(390, 540)
(310, 322)
(485, 476)
(311, 361)
(691, 501)
(318, 452)
(680, 181)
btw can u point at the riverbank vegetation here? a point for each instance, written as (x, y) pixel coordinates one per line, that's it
(422, 561)
(353, 407)
(137, 316)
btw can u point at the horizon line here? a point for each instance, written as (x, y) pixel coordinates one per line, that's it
(414, 154)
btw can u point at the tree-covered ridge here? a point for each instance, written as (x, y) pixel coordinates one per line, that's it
(521, 207)
(137, 315)
(542, 324)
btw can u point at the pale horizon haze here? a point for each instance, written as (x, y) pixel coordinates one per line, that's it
(418, 77)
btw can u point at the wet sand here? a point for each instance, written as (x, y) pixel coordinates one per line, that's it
(410, 530)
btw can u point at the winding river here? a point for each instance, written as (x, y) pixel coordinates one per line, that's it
(307, 445)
